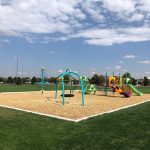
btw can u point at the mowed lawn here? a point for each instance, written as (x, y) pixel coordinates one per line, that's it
(144, 89)
(19, 88)
(29, 87)
(127, 129)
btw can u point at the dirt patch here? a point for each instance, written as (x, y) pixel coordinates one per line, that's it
(94, 104)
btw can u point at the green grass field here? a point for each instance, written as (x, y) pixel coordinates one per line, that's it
(18, 88)
(144, 89)
(127, 129)
(29, 87)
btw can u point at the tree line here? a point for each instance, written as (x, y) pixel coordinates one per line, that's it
(96, 79)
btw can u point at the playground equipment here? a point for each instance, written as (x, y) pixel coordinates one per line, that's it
(60, 78)
(135, 90)
(43, 82)
(120, 91)
(132, 87)
(120, 85)
(88, 88)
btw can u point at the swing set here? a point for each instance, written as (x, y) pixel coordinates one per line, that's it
(70, 74)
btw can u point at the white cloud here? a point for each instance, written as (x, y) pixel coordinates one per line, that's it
(144, 5)
(24, 73)
(93, 72)
(117, 67)
(147, 72)
(4, 41)
(120, 62)
(51, 52)
(144, 62)
(60, 71)
(129, 56)
(136, 17)
(29, 39)
(109, 37)
(119, 5)
(92, 9)
(98, 22)
(36, 16)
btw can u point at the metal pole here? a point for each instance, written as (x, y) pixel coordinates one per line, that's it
(42, 79)
(70, 85)
(82, 87)
(126, 78)
(17, 67)
(56, 89)
(119, 80)
(106, 82)
(63, 99)
(113, 83)
(22, 74)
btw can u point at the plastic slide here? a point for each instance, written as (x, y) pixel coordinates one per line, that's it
(119, 91)
(135, 90)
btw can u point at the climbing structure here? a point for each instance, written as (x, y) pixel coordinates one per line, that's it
(121, 85)
(88, 88)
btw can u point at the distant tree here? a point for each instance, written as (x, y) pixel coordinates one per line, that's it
(33, 80)
(52, 80)
(38, 79)
(66, 79)
(97, 79)
(102, 79)
(127, 74)
(146, 81)
(4, 80)
(14, 80)
(9, 80)
(46, 79)
(133, 81)
(90, 80)
(26, 79)
(17, 80)
(1, 79)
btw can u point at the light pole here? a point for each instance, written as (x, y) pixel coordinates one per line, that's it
(22, 73)
(17, 67)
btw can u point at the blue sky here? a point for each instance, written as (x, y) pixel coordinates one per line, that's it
(87, 36)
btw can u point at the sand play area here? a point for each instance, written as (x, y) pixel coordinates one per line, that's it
(94, 104)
